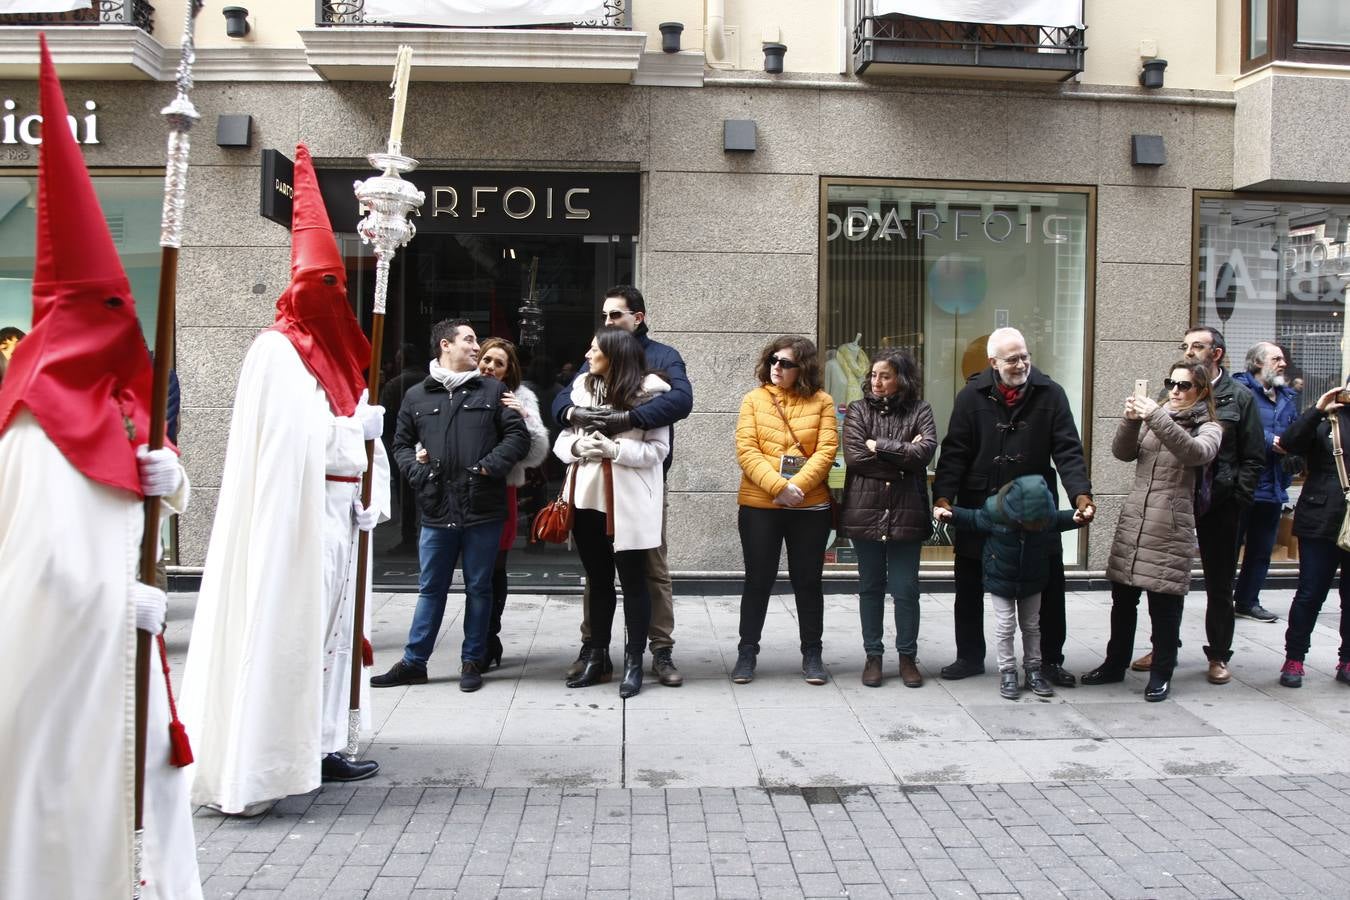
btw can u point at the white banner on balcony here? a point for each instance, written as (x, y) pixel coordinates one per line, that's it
(483, 13)
(41, 6)
(1047, 13)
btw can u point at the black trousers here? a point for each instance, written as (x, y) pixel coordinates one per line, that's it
(498, 593)
(600, 560)
(763, 534)
(969, 610)
(1217, 533)
(1165, 612)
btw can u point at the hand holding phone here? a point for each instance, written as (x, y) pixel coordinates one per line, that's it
(1141, 387)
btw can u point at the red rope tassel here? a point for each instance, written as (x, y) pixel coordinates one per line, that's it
(180, 751)
(367, 653)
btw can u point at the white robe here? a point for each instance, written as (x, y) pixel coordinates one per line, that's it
(268, 669)
(69, 549)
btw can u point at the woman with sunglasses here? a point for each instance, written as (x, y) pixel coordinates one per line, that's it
(1154, 545)
(1317, 523)
(786, 441)
(617, 486)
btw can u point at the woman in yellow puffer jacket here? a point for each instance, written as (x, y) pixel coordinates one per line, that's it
(786, 440)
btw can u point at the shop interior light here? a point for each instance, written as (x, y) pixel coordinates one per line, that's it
(1342, 232)
(1226, 218)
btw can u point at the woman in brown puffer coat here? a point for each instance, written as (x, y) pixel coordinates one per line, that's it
(1154, 546)
(889, 439)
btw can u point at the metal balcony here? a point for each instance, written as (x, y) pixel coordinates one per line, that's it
(907, 45)
(352, 12)
(138, 13)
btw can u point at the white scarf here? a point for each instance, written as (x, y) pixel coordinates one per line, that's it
(451, 380)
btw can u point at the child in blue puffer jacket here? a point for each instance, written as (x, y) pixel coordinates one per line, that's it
(1023, 528)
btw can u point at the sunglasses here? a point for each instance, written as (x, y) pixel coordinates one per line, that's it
(1182, 386)
(615, 314)
(785, 363)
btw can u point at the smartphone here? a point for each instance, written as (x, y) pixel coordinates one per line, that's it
(1343, 396)
(1141, 388)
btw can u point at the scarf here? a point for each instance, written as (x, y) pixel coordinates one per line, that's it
(1010, 394)
(451, 380)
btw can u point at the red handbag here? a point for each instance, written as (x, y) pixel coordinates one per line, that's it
(553, 523)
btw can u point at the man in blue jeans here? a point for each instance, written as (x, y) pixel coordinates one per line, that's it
(1278, 407)
(454, 445)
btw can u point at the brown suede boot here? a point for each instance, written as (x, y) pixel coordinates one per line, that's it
(909, 673)
(871, 676)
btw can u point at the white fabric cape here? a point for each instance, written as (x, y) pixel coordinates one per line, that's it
(484, 13)
(268, 669)
(1047, 13)
(68, 554)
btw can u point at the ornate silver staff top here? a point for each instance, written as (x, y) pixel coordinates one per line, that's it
(182, 115)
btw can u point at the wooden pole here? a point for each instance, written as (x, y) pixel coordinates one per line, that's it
(363, 541)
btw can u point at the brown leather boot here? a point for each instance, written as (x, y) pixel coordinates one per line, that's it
(871, 676)
(909, 673)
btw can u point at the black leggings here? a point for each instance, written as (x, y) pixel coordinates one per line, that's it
(498, 594)
(600, 560)
(1165, 612)
(763, 533)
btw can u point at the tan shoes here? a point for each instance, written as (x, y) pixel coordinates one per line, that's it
(1218, 672)
(1143, 663)
(909, 673)
(871, 676)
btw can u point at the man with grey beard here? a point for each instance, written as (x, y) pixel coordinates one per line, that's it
(1278, 407)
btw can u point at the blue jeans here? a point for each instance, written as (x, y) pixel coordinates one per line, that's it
(438, 549)
(888, 566)
(1318, 561)
(1260, 523)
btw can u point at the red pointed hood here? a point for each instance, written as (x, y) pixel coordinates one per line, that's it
(315, 315)
(83, 370)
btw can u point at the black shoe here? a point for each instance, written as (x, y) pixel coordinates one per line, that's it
(1007, 687)
(1257, 612)
(744, 673)
(494, 653)
(577, 665)
(470, 676)
(813, 668)
(962, 668)
(1037, 684)
(1103, 674)
(1157, 690)
(336, 767)
(632, 675)
(663, 667)
(595, 669)
(1058, 677)
(400, 673)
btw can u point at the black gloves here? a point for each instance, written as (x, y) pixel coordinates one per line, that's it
(608, 422)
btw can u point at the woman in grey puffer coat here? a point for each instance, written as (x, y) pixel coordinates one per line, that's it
(1154, 545)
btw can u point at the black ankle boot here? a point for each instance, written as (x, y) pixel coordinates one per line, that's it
(596, 670)
(632, 675)
(494, 653)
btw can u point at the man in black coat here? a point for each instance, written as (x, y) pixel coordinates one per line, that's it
(625, 308)
(471, 441)
(1009, 420)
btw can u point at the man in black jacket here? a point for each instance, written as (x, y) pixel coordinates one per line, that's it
(625, 308)
(1237, 469)
(1009, 420)
(471, 441)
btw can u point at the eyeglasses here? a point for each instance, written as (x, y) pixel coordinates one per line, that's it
(784, 363)
(1014, 360)
(1182, 386)
(616, 314)
(1196, 346)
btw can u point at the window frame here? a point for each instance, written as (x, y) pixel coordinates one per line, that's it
(1283, 45)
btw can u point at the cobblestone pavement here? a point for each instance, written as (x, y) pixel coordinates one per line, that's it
(1276, 837)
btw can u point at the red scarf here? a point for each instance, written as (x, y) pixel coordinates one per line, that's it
(1010, 394)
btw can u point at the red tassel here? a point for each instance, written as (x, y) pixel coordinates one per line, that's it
(367, 653)
(180, 751)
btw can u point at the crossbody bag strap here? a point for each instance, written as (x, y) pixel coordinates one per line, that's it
(792, 434)
(1338, 453)
(608, 469)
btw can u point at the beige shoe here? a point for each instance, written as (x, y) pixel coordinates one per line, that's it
(1143, 663)
(1218, 672)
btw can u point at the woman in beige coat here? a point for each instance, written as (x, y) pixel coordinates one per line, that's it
(1154, 545)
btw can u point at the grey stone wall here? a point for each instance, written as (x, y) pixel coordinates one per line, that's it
(730, 242)
(1291, 140)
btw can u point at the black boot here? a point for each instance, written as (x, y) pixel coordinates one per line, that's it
(632, 675)
(336, 767)
(493, 656)
(597, 669)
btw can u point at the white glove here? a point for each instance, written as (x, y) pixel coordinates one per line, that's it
(151, 607)
(598, 447)
(372, 419)
(161, 475)
(365, 515)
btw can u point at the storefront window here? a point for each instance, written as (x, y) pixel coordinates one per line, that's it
(935, 270)
(132, 206)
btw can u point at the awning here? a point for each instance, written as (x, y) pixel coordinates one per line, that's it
(480, 13)
(1047, 13)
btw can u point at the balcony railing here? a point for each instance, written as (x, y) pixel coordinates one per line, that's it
(899, 40)
(353, 12)
(101, 12)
